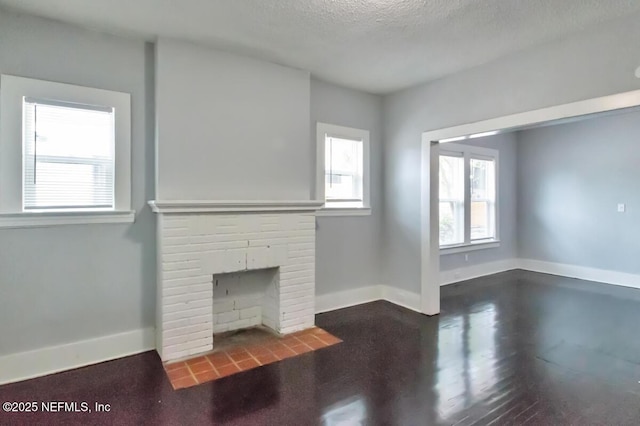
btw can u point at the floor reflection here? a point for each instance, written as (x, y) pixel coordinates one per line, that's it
(352, 411)
(255, 392)
(466, 359)
(514, 348)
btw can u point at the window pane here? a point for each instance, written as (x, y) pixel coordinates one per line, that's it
(69, 156)
(483, 197)
(343, 169)
(451, 200)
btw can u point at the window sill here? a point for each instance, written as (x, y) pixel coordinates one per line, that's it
(43, 219)
(470, 247)
(344, 211)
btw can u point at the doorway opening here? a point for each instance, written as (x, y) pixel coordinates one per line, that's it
(474, 218)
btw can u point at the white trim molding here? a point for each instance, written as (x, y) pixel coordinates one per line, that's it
(344, 299)
(14, 90)
(604, 276)
(581, 272)
(214, 206)
(469, 247)
(43, 219)
(410, 300)
(356, 211)
(405, 298)
(539, 116)
(476, 271)
(337, 207)
(358, 296)
(54, 359)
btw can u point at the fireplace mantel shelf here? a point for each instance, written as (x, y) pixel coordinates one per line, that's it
(216, 206)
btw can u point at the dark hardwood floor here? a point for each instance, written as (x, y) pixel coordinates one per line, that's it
(513, 348)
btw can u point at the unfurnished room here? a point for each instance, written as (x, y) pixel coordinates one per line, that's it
(380, 212)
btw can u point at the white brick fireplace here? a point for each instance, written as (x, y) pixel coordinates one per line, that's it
(229, 265)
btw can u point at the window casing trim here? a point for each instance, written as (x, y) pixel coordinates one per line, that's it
(338, 207)
(13, 90)
(469, 152)
(56, 218)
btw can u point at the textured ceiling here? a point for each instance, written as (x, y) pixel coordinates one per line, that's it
(374, 45)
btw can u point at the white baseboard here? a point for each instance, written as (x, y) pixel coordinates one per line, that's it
(45, 361)
(565, 270)
(411, 300)
(347, 298)
(358, 296)
(475, 271)
(406, 299)
(41, 362)
(581, 272)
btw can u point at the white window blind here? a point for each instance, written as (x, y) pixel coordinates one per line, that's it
(343, 170)
(68, 155)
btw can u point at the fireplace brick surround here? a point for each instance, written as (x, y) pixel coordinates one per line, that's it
(199, 247)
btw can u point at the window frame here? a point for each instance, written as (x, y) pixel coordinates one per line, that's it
(457, 155)
(13, 90)
(324, 130)
(469, 152)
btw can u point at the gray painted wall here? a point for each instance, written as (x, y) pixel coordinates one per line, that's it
(95, 280)
(69, 283)
(230, 127)
(348, 248)
(572, 176)
(506, 144)
(586, 65)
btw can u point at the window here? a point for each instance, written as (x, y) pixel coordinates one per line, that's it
(468, 213)
(483, 199)
(66, 154)
(451, 199)
(343, 169)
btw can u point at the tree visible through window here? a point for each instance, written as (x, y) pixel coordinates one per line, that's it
(467, 206)
(451, 200)
(483, 199)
